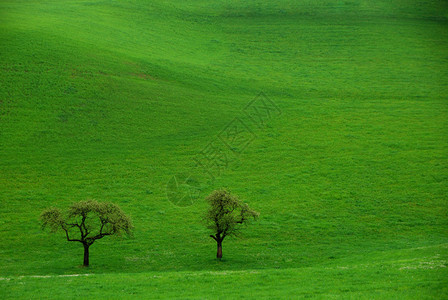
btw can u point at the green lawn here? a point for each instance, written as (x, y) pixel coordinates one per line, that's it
(107, 100)
(412, 273)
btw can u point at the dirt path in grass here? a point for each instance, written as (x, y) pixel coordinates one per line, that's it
(44, 276)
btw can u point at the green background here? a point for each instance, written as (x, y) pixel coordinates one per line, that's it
(107, 100)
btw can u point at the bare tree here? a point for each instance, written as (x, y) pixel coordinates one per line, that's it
(225, 216)
(87, 221)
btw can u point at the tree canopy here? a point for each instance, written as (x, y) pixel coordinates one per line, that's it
(87, 221)
(226, 215)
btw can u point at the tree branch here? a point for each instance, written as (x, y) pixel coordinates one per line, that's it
(68, 238)
(102, 226)
(99, 236)
(83, 225)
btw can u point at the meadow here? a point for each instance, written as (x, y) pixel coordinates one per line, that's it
(108, 100)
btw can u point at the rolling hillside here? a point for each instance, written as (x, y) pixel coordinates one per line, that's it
(109, 100)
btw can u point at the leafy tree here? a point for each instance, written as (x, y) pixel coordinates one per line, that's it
(87, 221)
(225, 216)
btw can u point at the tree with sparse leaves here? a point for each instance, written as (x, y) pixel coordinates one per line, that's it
(226, 215)
(87, 221)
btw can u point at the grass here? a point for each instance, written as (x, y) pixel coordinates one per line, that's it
(414, 273)
(109, 99)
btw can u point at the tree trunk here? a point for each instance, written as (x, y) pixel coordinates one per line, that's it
(86, 255)
(219, 253)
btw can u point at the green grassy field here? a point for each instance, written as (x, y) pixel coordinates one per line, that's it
(108, 100)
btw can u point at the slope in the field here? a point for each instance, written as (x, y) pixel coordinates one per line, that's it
(109, 99)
